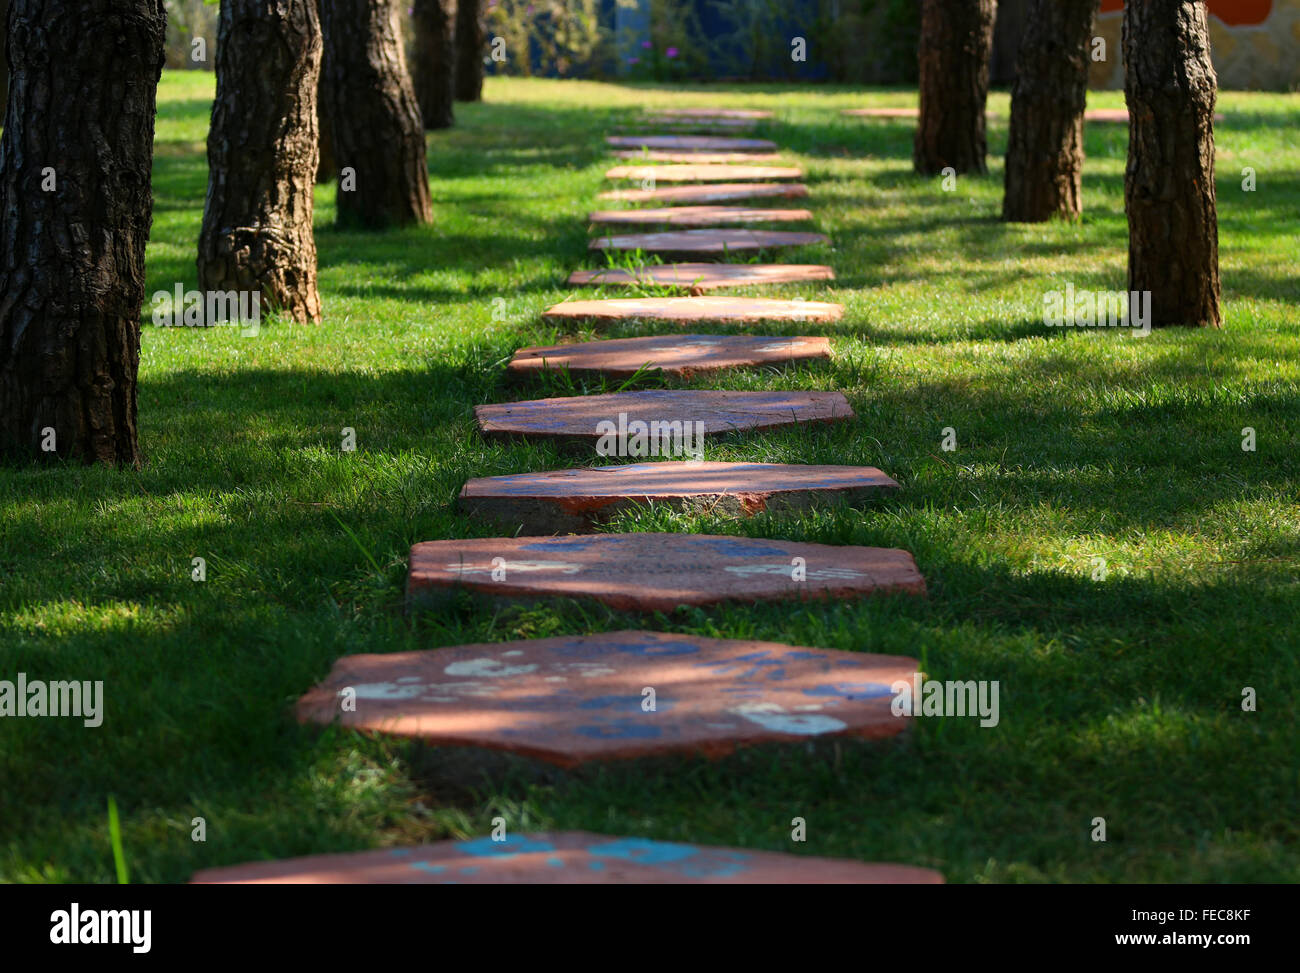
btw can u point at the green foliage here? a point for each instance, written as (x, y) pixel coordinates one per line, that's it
(560, 37)
(864, 41)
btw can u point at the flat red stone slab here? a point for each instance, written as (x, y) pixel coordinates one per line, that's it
(697, 277)
(699, 158)
(698, 216)
(654, 572)
(576, 698)
(707, 241)
(752, 113)
(681, 355)
(702, 123)
(717, 193)
(696, 310)
(882, 112)
(688, 173)
(578, 500)
(1111, 115)
(1118, 116)
(578, 416)
(683, 143)
(566, 858)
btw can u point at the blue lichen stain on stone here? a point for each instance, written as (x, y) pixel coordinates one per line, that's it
(687, 860)
(625, 729)
(510, 845)
(851, 690)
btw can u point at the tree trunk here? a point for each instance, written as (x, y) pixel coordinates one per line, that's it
(956, 36)
(1045, 149)
(1173, 226)
(471, 35)
(262, 156)
(75, 213)
(326, 170)
(4, 61)
(376, 126)
(433, 70)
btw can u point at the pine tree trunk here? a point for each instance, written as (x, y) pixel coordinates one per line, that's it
(471, 35)
(75, 213)
(434, 63)
(326, 170)
(1045, 149)
(262, 156)
(4, 61)
(1169, 193)
(376, 126)
(956, 37)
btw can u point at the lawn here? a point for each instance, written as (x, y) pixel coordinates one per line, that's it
(1121, 683)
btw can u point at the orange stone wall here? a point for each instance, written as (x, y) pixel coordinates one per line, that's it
(1255, 44)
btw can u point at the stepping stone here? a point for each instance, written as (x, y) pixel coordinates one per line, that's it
(698, 277)
(720, 411)
(1107, 115)
(577, 501)
(697, 158)
(717, 193)
(566, 858)
(576, 698)
(685, 143)
(680, 355)
(699, 215)
(707, 241)
(696, 310)
(654, 572)
(752, 113)
(882, 112)
(706, 173)
(1119, 116)
(700, 124)
(1111, 115)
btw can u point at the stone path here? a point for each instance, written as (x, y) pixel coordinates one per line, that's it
(653, 572)
(704, 143)
(699, 277)
(689, 242)
(680, 355)
(701, 124)
(698, 158)
(707, 173)
(716, 193)
(621, 695)
(882, 112)
(1117, 116)
(572, 699)
(719, 412)
(698, 216)
(567, 858)
(695, 310)
(579, 500)
(750, 113)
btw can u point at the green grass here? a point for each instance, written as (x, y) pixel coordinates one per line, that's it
(1120, 697)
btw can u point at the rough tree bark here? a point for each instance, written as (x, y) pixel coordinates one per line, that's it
(75, 213)
(4, 61)
(326, 170)
(262, 156)
(1169, 195)
(956, 37)
(471, 35)
(433, 69)
(1045, 149)
(375, 120)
